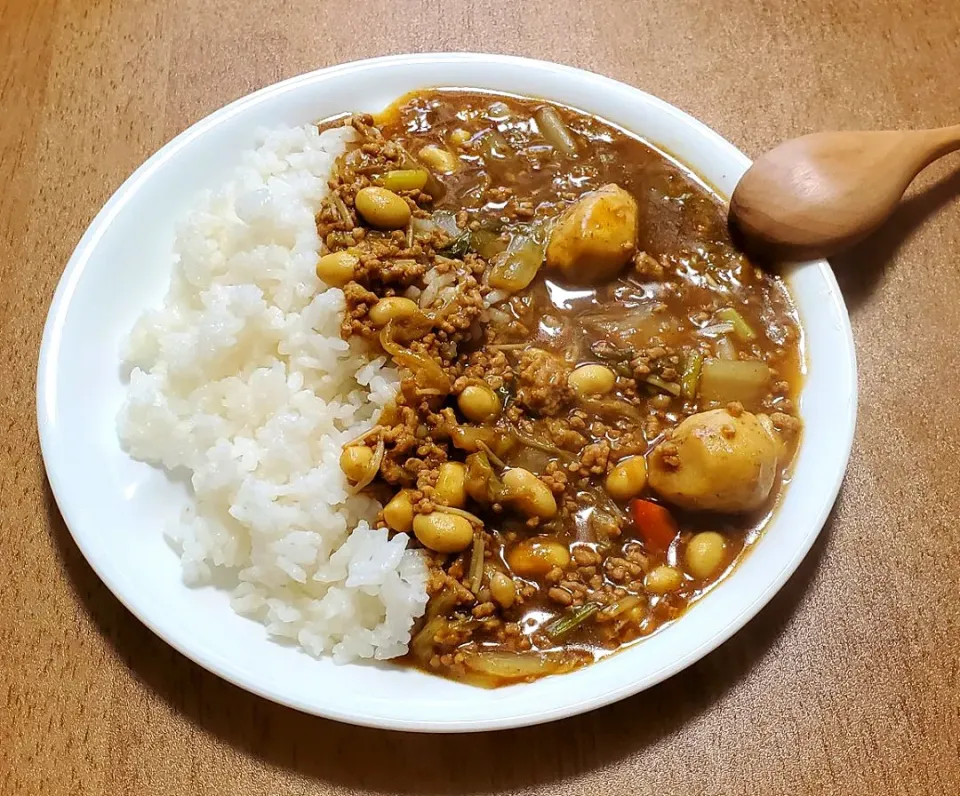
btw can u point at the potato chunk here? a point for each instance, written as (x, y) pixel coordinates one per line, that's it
(595, 237)
(716, 461)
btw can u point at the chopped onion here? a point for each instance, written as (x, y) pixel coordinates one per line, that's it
(726, 349)
(424, 226)
(476, 564)
(716, 329)
(512, 665)
(725, 380)
(554, 131)
(357, 440)
(447, 221)
(631, 326)
(473, 518)
(422, 644)
(495, 297)
(341, 209)
(426, 372)
(664, 386)
(490, 454)
(515, 269)
(612, 408)
(498, 110)
(487, 243)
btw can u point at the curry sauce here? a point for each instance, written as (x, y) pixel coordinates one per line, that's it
(599, 403)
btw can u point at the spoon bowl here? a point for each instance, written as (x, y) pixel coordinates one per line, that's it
(816, 195)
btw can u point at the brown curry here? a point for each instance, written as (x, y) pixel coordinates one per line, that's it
(599, 396)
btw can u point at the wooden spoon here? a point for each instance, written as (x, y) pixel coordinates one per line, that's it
(816, 195)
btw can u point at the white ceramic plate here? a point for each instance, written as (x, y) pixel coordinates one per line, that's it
(114, 506)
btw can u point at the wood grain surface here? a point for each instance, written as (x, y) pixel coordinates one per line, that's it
(847, 683)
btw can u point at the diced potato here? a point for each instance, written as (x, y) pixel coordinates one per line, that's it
(596, 237)
(715, 461)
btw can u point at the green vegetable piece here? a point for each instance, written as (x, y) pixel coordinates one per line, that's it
(486, 243)
(742, 329)
(459, 247)
(691, 374)
(565, 625)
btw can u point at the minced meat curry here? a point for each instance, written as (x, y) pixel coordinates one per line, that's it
(599, 394)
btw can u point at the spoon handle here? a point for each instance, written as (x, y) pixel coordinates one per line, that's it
(936, 143)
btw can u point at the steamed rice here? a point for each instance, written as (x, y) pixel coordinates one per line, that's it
(242, 379)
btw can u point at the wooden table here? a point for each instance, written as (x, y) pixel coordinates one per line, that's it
(848, 683)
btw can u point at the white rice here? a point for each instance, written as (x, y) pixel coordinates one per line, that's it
(242, 379)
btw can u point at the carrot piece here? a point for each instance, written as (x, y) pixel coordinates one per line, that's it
(655, 523)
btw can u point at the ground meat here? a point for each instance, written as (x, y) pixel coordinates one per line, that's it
(785, 422)
(442, 581)
(594, 458)
(563, 436)
(359, 301)
(584, 556)
(629, 443)
(652, 427)
(555, 478)
(669, 455)
(493, 368)
(542, 382)
(560, 596)
(647, 267)
(483, 610)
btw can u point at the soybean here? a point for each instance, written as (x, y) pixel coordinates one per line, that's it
(627, 479)
(529, 494)
(705, 554)
(403, 180)
(442, 532)
(392, 308)
(534, 558)
(337, 268)
(479, 403)
(663, 579)
(451, 484)
(439, 159)
(354, 461)
(592, 380)
(398, 513)
(382, 208)
(503, 589)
